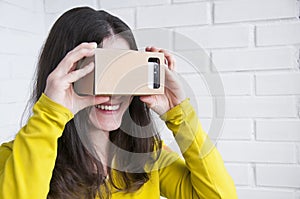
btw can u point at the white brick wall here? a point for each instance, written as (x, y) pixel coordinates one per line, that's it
(278, 130)
(170, 15)
(240, 173)
(254, 49)
(255, 59)
(258, 152)
(265, 193)
(109, 4)
(127, 14)
(260, 107)
(249, 10)
(278, 34)
(272, 175)
(217, 36)
(277, 84)
(61, 6)
(22, 32)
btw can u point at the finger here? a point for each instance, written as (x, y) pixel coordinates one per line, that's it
(157, 105)
(85, 45)
(78, 74)
(148, 99)
(79, 52)
(170, 59)
(170, 76)
(152, 49)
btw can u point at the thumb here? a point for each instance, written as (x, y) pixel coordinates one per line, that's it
(148, 99)
(152, 101)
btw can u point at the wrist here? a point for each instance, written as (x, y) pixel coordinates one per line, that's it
(177, 111)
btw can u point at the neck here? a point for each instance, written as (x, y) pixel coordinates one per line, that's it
(100, 141)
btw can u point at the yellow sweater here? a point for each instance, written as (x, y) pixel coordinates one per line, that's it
(26, 164)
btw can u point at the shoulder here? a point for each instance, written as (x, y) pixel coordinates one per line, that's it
(6, 146)
(5, 151)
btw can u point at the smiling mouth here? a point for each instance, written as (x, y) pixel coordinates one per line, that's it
(108, 107)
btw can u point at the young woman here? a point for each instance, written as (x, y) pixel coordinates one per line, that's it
(73, 146)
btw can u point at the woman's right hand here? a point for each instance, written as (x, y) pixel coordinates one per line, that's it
(59, 85)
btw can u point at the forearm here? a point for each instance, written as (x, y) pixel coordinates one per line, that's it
(28, 169)
(207, 173)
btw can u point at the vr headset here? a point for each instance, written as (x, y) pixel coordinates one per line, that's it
(122, 72)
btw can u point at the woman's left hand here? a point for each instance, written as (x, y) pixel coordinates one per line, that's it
(174, 93)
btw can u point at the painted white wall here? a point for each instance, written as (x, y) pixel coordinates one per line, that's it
(254, 47)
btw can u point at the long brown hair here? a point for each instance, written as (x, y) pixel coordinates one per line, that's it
(77, 173)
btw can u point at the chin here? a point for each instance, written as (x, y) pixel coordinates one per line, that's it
(106, 120)
(108, 127)
(108, 116)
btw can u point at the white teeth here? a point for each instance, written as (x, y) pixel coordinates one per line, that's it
(107, 107)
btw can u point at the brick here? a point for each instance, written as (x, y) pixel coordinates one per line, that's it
(8, 133)
(258, 152)
(204, 106)
(11, 113)
(257, 59)
(278, 175)
(249, 10)
(14, 90)
(107, 4)
(260, 107)
(278, 130)
(55, 6)
(36, 6)
(50, 19)
(205, 122)
(6, 67)
(196, 85)
(239, 173)
(20, 43)
(263, 193)
(23, 66)
(192, 62)
(27, 20)
(205, 84)
(278, 34)
(158, 37)
(186, 1)
(278, 84)
(215, 36)
(236, 84)
(127, 15)
(171, 16)
(237, 129)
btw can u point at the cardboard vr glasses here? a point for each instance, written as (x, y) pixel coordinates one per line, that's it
(122, 72)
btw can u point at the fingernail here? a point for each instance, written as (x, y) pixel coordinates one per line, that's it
(94, 44)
